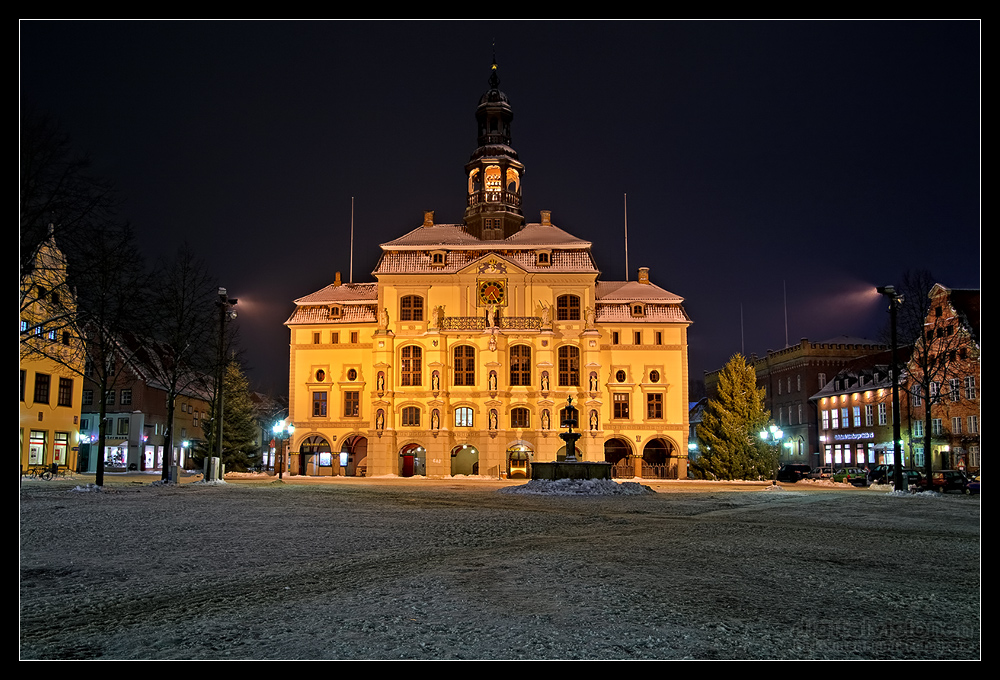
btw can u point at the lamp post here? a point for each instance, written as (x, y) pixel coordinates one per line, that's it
(226, 313)
(282, 432)
(773, 435)
(895, 300)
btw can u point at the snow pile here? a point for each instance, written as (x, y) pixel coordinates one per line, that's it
(88, 488)
(579, 487)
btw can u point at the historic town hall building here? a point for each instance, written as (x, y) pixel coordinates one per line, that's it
(460, 356)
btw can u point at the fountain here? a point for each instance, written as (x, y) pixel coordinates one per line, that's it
(571, 468)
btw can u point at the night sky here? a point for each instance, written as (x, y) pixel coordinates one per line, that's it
(813, 159)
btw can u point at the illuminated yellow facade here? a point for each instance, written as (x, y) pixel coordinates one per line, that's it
(50, 362)
(460, 356)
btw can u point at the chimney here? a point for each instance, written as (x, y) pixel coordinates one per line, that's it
(547, 218)
(336, 281)
(428, 218)
(644, 275)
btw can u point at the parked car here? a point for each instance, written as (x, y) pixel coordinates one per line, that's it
(943, 481)
(855, 476)
(793, 472)
(821, 473)
(973, 485)
(884, 474)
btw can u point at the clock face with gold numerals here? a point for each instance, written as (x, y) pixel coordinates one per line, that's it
(493, 292)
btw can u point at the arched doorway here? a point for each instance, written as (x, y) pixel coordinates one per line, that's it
(465, 460)
(315, 456)
(519, 455)
(412, 461)
(657, 461)
(618, 453)
(354, 456)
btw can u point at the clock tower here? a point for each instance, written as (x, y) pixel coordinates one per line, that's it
(493, 174)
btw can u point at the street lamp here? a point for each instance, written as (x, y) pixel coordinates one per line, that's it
(282, 432)
(773, 435)
(895, 300)
(226, 313)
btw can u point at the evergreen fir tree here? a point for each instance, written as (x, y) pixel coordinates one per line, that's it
(731, 425)
(240, 451)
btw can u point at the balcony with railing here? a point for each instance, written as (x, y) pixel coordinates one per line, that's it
(479, 323)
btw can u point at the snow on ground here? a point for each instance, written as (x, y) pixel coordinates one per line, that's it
(451, 569)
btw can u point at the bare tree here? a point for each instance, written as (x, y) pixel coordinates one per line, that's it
(182, 324)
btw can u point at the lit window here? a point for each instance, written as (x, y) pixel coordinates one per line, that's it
(463, 416)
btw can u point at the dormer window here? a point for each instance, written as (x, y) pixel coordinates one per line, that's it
(638, 309)
(336, 311)
(437, 258)
(543, 258)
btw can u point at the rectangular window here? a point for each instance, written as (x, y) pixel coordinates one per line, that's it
(918, 428)
(857, 416)
(973, 424)
(835, 418)
(845, 423)
(654, 406)
(520, 365)
(126, 399)
(869, 415)
(954, 391)
(335, 338)
(826, 420)
(109, 398)
(614, 338)
(41, 388)
(354, 337)
(917, 399)
(65, 392)
(519, 418)
(936, 427)
(352, 404)
(123, 427)
(883, 416)
(88, 397)
(319, 404)
(621, 405)
(315, 338)
(658, 337)
(970, 387)
(411, 416)
(637, 338)
(821, 378)
(935, 387)
(956, 425)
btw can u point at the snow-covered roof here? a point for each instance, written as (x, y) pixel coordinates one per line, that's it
(345, 294)
(633, 291)
(533, 236)
(420, 262)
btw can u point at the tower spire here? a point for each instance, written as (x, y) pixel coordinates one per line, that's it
(493, 173)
